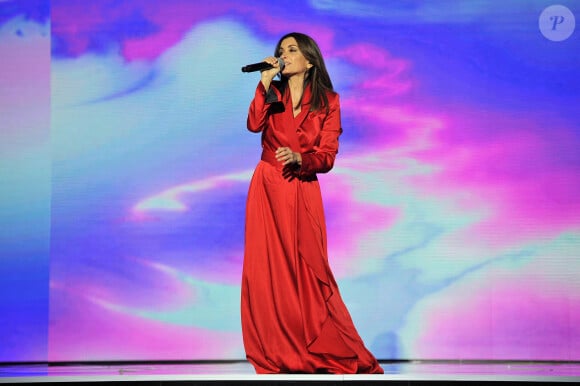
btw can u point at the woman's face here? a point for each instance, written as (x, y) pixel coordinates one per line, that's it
(294, 61)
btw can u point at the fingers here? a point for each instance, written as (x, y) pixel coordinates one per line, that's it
(288, 158)
(272, 61)
(268, 75)
(285, 155)
(275, 67)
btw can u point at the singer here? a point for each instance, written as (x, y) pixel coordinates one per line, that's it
(293, 317)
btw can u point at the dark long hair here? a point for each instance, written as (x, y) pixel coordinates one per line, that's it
(316, 76)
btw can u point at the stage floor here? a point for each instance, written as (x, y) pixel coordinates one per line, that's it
(403, 373)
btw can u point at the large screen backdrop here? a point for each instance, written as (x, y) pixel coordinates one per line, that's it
(453, 209)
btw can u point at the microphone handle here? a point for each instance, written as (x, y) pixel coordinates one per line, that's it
(257, 67)
(262, 66)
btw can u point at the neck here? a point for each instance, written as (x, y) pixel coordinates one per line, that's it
(296, 83)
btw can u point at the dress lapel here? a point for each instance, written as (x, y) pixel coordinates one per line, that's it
(305, 108)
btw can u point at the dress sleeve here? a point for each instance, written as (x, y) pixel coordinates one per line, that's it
(258, 112)
(321, 160)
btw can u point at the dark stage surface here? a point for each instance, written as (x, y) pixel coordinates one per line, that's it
(241, 373)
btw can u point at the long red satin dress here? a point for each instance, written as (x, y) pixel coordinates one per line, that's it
(293, 317)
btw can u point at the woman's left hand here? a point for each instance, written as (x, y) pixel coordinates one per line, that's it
(287, 156)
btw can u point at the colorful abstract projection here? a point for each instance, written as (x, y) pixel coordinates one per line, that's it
(453, 209)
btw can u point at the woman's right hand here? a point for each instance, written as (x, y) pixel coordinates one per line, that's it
(268, 75)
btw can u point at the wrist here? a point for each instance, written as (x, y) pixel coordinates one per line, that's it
(298, 159)
(266, 83)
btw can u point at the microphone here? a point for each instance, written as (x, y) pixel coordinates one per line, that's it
(262, 66)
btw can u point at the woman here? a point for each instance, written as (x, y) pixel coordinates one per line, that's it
(293, 318)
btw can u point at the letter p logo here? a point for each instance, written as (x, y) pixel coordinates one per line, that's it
(557, 23)
(557, 20)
